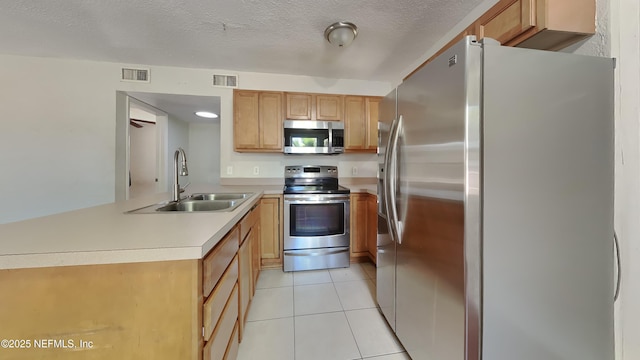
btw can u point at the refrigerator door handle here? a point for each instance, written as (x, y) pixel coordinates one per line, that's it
(387, 179)
(618, 268)
(392, 173)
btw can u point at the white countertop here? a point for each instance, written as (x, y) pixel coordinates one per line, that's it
(105, 234)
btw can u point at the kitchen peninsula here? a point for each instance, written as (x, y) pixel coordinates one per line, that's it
(98, 283)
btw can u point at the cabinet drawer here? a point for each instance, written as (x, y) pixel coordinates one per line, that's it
(248, 222)
(215, 303)
(232, 350)
(217, 345)
(218, 260)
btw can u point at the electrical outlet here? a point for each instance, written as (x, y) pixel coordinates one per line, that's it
(256, 170)
(229, 170)
(354, 170)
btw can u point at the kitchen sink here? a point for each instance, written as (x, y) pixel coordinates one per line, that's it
(201, 202)
(200, 205)
(219, 196)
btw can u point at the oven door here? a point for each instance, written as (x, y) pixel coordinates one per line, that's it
(316, 221)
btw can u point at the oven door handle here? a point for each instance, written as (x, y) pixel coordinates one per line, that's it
(316, 252)
(300, 201)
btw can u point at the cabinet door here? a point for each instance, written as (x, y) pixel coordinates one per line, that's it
(355, 128)
(255, 256)
(329, 107)
(372, 226)
(244, 281)
(373, 106)
(270, 115)
(270, 231)
(299, 106)
(358, 225)
(246, 123)
(505, 22)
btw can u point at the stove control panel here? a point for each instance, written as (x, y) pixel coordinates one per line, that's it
(310, 171)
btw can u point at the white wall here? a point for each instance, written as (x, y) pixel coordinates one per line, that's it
(178, 137)
(58, 126)
(625, 35)
(204, 153)
(56, 136)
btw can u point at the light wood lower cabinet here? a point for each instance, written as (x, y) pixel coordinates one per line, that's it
(364, 226)
(372, 227)
(147, 310)
(248, 267)
(271, 236)
(166, 310)
(244, 280)
(358, 217)
(216, 347)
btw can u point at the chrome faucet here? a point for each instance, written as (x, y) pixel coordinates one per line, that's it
(183, 172)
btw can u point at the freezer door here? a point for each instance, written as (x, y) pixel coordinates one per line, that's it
(548, 205)
(429, 173)
(386, 246)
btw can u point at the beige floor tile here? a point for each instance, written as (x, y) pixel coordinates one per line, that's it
(372, 334)
(311, 277)
(358, 294)
(315, 299)
(267, 340)
(271, 304)
(353, 272)
(274, 278)
(324, 337)
(370, 269)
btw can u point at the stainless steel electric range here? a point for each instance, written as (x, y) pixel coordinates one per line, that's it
(316, 219)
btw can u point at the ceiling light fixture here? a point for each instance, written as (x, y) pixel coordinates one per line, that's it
(341, 34)
(206, 114)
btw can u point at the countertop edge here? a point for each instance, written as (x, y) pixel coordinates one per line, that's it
(122, 256)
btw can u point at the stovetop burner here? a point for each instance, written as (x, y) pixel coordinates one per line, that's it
(313, 189)
(306, 179)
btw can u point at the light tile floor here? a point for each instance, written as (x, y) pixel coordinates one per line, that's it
(318, 315)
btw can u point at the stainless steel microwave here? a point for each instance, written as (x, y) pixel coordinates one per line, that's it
(313, 137)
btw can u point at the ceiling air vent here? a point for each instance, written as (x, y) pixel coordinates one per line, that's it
(225, 80)
(141, 75)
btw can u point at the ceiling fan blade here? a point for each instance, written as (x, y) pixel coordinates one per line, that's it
(135, 124)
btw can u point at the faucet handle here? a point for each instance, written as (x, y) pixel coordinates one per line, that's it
(182, 189)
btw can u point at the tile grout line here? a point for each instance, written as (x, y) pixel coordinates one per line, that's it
(345, 316)
(293, 289)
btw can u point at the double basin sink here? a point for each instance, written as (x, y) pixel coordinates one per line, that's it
(210, 202)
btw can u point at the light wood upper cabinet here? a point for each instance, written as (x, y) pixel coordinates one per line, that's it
(538, 24)
(246, 122)
(355, 126)
(534, 24)
(329, 107)
(299, 106)
(361, 123)
(271, 121)
(257, 121)
(321, 107)
(372, 118)
(507, 22)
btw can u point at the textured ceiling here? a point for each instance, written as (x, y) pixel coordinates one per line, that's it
(274, 36)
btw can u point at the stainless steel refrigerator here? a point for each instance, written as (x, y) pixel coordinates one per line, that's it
(495, 236)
